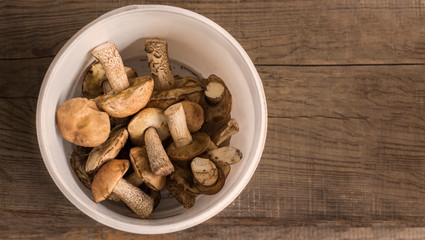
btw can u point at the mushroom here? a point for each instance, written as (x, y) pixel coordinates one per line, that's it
(124, 99)
(109, 180)
(155, 195)
(148, 117)
(128, 101)
(214, 92)
(219, 111)
(142, 171)
(204, 171)
(107, 150)
(224, 167)
(80, 122)
(194, 115)
(157, 53)
(148, 123)
(185, 146)
(185, 81)
(166, 98)
(180, 184)
(95, 80)
(225, 155)
(214, 188)
(225, 132)
(78, 163)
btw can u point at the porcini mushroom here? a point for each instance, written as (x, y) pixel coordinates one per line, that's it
(128, 101)
(149, 123)
(214, 92)
(125, 99)
(80, 122)
(180, 184)
(78, 162)
(185, 146)
(109, 180)
(225, 155)
(166, 98)
(194, 115)
(214, 188)
(157, 53)
(218, 111)
(107, 150)
(148, 117)
(204, 171)
(225, 132)
(95, 80)
(223, 166)
(142, 170)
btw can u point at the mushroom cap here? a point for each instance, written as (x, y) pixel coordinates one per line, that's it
(81, 122)
(95, 75)
(199, 145)
(107, 177)
(166, 98)
(148, 117)
(129, 101)
(180, 184)
(140, 162)
(221, 110)
(107, 150)
(188, 81)
(78, 163)
(211, 190)
(194, 115)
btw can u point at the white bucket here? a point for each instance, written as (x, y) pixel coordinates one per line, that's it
(197, 43)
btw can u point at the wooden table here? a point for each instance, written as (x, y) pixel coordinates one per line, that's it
(345, 151)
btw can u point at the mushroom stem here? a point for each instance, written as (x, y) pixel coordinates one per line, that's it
(158, 160)
(133, 179)
(138, 201)
(157, 53)
(214, 92)
(109, 57)
(177, 124)
(225, 132)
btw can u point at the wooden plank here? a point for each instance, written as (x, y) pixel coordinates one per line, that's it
(22, 78)
(345, 146)
(272, 32)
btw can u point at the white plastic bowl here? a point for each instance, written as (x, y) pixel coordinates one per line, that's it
(197, 43)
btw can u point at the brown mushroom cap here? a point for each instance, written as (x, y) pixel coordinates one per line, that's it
(107, 177)
(199, 145)
(211, 190)
(188, 81)
(221, 110)
(194, 115)
(128, 101)
(180, 184)
(81, 122)
(95, 76)
(140, 163)
(166, 98)
(78, 163)
(148, 117)
(107, 150)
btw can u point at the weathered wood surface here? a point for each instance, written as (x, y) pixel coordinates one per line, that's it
(345, 152)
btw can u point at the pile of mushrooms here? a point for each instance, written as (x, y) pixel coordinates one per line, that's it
(174, 131)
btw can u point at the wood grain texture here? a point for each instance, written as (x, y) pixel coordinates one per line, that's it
(347, 153)
(272, 32)
(345, 150)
